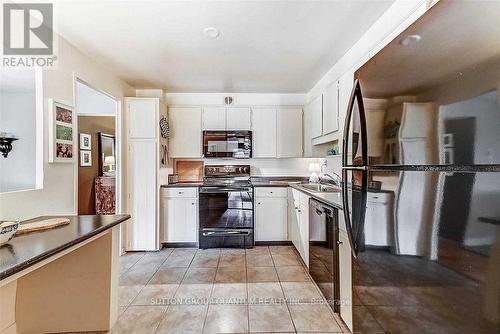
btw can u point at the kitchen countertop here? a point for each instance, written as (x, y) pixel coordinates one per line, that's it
(23, 251)
(276, 181)
(490, 220)
(332, 199)
(257, 181)
(182, 184)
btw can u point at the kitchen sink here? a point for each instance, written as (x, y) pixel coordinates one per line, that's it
(321, 188)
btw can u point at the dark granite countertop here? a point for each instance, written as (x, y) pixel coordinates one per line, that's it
(490, 220)
(257, 181)
(23, 251)
(332, 199)
(276, 181)
(182, 184)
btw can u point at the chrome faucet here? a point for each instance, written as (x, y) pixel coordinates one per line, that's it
(336, 178)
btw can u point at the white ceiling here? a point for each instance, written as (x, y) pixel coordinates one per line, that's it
(264, 46)
(457, 38)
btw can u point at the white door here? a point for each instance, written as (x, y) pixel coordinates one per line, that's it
(331, 109)
(317, 117)
(345, 278)
(142, 231)
(214, 118)
(185, 132)
(271, 219)
(264, 132)
(142, 117)
(238, 119)
(181, 219)
(290, 133)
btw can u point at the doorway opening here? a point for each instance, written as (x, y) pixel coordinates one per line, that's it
(97, 184)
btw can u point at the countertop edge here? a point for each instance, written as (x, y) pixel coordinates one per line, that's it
(26, 264)
(316, 197)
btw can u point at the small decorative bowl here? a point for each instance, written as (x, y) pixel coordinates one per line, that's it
(7, 230)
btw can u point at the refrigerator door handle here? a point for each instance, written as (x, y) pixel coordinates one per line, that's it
(347, 210)
(356, 96)
(355, 167)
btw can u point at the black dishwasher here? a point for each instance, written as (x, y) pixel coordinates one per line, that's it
(323, 251)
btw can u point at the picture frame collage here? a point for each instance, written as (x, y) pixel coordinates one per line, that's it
(85, 150)
(61, 132)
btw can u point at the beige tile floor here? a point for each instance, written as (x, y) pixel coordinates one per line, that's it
(259, 290)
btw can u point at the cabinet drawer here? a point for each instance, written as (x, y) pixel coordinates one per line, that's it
(270, 192)
(382, 198)
(180, 192)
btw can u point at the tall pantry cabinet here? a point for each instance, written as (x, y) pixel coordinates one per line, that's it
(143, 162)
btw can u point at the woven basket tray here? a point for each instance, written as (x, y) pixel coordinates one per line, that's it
(41, 225)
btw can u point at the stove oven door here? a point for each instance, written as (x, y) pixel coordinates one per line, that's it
(226, 217)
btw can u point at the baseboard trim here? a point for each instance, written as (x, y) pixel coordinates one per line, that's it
(273, 243)
(180, 244)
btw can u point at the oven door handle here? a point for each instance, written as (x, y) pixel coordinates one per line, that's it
(224, 190)
(224, 233)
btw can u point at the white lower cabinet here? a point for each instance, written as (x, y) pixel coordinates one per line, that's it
(345, 277)
(271, 214)
(179, 207)
(298, 215)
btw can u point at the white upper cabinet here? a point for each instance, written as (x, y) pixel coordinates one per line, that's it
(214, 118)
(331, 109)
(238, 119)
(307, 132)
(142, 113)
(290, 133)
(316, 109)
(345, 84)
(185, 132)
(264, 132)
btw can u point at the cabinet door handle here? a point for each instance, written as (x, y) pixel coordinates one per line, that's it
(339, 242)
(180, 192)
(258, 203)
(271, 192)
(192, 203)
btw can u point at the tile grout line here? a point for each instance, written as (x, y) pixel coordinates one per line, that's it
(211, 292)
(175, 292)
(284, 296)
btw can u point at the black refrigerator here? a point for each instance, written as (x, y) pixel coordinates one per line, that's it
(421, 176)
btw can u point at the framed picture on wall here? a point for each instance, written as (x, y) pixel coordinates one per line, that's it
(85, 158)
(61, 131)
(85, 141)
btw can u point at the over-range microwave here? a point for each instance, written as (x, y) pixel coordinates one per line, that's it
(227, 144)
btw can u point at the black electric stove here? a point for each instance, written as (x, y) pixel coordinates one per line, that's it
(226, 207)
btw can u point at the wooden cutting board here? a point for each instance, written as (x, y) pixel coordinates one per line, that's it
(41, 225)
(189, 171)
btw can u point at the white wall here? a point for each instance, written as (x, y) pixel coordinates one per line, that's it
(58, 195)
(268, 167)
(92, 102)
(240, 99)
(18, 116)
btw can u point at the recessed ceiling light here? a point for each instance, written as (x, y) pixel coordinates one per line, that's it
(211, 32)
(410, 40)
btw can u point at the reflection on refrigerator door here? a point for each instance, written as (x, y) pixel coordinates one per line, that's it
(431, 250)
